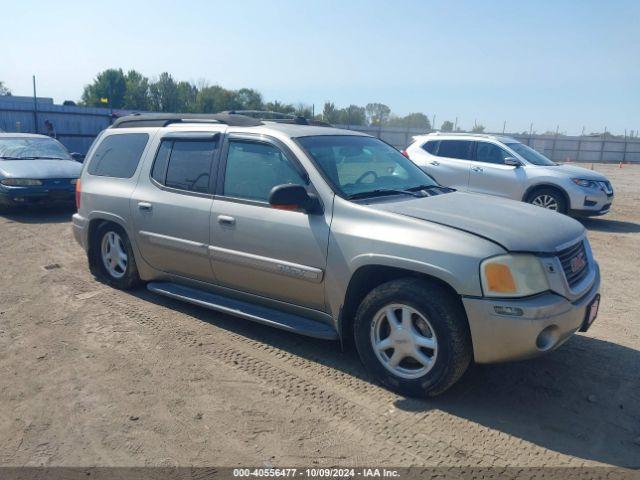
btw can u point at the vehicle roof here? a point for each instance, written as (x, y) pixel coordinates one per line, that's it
(464, 136)
(22, 135)
(231, 122)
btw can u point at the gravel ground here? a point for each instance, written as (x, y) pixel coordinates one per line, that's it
(94, 376)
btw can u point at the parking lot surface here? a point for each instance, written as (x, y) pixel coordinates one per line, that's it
(95, 376)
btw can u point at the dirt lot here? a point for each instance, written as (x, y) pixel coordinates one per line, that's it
(95, 376)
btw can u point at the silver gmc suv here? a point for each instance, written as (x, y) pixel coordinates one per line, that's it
(504, 167)
(336, 235)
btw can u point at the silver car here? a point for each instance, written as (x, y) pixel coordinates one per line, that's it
(504, 167)
(332, 234)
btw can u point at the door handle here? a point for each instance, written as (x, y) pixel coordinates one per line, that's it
(146, 206)
(226, 220)
(477, 169)
(435, 163)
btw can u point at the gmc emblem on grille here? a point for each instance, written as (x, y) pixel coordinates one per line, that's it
(577, 263)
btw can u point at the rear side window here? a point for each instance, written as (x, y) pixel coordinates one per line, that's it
(431, 147)
(460, 149)
(184, 165)
(118, 155)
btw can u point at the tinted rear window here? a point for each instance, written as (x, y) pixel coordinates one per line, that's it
(431, 146)
(118, 155)
(461, 149)
(184, 164)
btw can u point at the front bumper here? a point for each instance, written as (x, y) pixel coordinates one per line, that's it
(18, 196)
(587, 202)
(548, 320)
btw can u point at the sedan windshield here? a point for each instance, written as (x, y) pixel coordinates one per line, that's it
(359, 166)
(530, 155)
(31, 148)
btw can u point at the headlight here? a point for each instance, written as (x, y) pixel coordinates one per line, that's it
(73, 181)
(581, 182)
(517, 275)
(20, 182)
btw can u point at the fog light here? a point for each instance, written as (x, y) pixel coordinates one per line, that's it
(511, 311)
(547, 338)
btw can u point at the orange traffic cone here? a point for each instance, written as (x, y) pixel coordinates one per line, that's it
(620, 165)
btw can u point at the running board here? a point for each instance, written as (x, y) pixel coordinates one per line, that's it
(249, 311)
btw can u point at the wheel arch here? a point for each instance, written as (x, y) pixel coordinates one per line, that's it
(529, 191)
(368, 277)
(95, 221)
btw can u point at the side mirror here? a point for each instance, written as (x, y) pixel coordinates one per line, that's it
(78, 157)
(514, 162)
(293, 197)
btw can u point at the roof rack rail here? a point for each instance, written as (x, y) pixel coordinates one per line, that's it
(163, 119)
(462, 134)
(279, 117)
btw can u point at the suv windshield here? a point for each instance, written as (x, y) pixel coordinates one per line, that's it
(359, 166)
(31, 148)
(530, 155)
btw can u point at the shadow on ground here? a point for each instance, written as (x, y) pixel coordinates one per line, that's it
(39, 214)
(606, 225)
(582, 400)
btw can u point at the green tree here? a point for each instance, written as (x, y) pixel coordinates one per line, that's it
(110, 84)
(377, 113)
(187, 97)
(4, 90)
(249, 99)
(329, 113)
(137, 91)
(352, 115)
(478, 128)
(164, 96)
(413, 120)
(280, 107)
(447, 126)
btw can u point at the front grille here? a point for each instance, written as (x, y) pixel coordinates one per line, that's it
(574, 263)
(606, 187)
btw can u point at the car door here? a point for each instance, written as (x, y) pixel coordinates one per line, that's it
(490, 175)
(171, 205)
(258, 249)
(451, 165)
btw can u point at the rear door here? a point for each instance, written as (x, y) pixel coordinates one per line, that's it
(489, 174)
(171, 205)
(452, 163)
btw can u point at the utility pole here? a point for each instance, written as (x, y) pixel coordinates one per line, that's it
(455, 125)
(35, 107)
(504, 125)
(433, 122)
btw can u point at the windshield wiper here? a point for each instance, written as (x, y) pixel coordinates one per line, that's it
(429, 187)
(382, 191)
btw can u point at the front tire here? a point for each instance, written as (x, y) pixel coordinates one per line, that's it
(548, 198)
(111, 257)
(413, 337)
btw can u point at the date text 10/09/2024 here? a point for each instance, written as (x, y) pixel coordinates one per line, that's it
(316, 472)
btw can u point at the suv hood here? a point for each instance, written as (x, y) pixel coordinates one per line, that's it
(572, 171)
(40, 169)
(516, 226)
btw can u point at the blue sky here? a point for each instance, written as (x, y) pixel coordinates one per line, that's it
(574, 64)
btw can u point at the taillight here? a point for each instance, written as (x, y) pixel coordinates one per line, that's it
(78, 191)
(404, 152)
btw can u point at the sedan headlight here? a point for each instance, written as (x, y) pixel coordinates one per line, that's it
(20, 182)
(581, 182)
(516, 275)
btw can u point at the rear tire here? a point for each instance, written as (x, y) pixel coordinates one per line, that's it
(111, 257)
(430, 324)
(548, 198)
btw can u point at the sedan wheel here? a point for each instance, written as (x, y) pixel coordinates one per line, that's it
(404, 341)
(114, 254)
